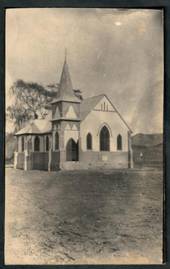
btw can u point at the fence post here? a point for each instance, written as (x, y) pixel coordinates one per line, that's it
(15, 159)
(27, 161)
(49, 159)
(130, 150)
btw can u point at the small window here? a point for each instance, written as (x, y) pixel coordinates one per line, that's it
(89, 141)
(56, 141)
(47, 143)
(37, 144)
(119, 142)
(22, 143)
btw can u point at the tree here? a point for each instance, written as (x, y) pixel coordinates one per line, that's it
(18, 115)
(29, 101)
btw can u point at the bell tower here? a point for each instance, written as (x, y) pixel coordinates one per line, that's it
(66, 120)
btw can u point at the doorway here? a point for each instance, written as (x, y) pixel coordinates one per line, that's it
(72, 152)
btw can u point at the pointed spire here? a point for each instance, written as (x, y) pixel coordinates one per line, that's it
(66, 92)
(65, 80)
(65, 55)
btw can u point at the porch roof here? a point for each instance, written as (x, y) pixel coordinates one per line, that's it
(38, 126)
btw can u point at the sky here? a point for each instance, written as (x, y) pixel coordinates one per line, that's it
(118, 52)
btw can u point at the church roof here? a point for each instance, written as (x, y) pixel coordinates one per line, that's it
(65, 91)
(38, 126)
(42, 126)
(88, 104)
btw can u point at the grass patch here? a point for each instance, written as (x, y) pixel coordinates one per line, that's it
(83, 217)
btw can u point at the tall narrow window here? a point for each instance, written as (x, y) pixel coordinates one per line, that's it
(119, 142)
(89, 141)
(37, 144)
(56, 141)
(104, 139)
(47, 143)
(22, 143)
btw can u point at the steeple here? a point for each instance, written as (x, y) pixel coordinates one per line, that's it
(65, 55)
(66, 92)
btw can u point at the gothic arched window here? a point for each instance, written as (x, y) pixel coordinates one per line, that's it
(104, 139)
(89, 141)
(47, 144)
(56, 141)
(37, 144)
(22, 143)
(119, 142)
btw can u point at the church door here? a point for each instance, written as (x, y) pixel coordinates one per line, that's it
(72, 150)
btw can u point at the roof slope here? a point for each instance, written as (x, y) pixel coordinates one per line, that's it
(147, 140)
(38, 126)
(88, 104)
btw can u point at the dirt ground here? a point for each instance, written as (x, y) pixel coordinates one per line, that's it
(83, 217)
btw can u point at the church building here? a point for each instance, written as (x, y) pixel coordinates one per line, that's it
(76, 134)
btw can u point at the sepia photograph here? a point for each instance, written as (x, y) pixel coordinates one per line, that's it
(84, 136)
